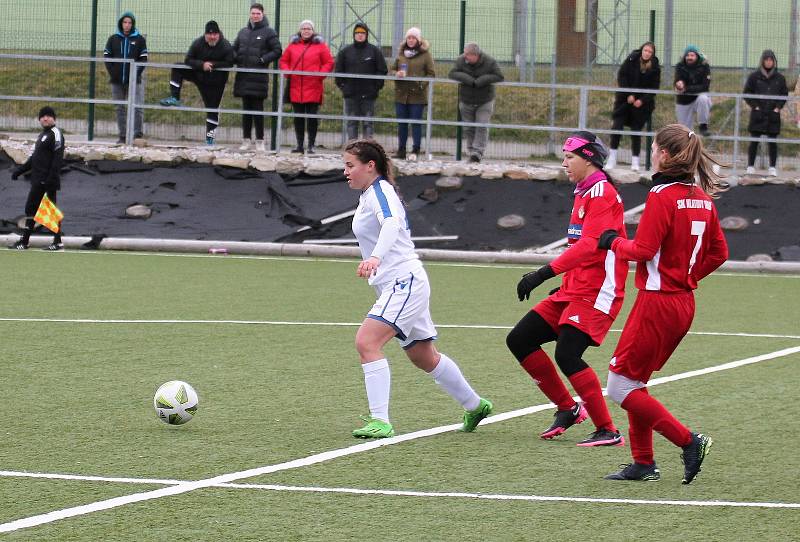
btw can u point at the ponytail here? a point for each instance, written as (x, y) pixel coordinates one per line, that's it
(687, 158)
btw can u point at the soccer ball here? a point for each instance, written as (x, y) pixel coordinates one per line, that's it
(175, 402)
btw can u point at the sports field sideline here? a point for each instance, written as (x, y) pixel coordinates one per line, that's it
(268, 344)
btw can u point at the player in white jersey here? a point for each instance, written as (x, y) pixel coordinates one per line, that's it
(392, 267)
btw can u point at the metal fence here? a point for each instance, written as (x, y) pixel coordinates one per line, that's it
(530, 118)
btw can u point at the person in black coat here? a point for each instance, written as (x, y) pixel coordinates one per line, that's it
(126, 43)
(363, 58)
(640, 70)
(256, 46)
(45, 175)
(692, 83)
(207, 55)
(765, 114)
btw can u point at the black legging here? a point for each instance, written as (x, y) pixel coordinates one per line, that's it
(250, 103)
(300, 123)
(636, 141)
(531, 332)
(32, 205)
(752, 150)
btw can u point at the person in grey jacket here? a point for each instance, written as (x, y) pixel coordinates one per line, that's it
(477, 72)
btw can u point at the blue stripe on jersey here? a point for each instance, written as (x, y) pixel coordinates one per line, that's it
(384, 203)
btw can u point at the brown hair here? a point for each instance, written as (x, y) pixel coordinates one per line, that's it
(256, 5)
(687, 158)
(368, 149)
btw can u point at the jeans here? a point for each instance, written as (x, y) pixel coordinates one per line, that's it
(476, 137)
(701, 106)
(414, 112)
(120, 92)
(359, 107)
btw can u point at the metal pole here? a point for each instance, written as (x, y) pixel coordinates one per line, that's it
(92, 71)
(119, 9)
(583, 107)
(532, 25)
(736, 125)
(429, 127)
(551, 143)
(520, 9)
(279, 111)
(462, 20)
(669, 13)
(591, 12)
(399, 24)
(273, 123)
(793, 37)
(746, 44)
(131, 112)
(648, 141)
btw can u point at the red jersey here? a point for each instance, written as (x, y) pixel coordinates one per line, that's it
(593, 276)
(679, 240)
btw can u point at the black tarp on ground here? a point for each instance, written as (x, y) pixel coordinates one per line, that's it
(197, 202)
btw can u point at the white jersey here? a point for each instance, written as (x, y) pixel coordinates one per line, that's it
(377, 203)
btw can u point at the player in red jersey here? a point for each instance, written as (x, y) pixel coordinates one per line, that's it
(678, 242)
(579, 313)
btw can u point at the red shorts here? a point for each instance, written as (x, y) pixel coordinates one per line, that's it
(576, 314)
(655, 327)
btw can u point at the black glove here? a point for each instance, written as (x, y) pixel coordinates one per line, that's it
(533, 279)
(15, 174)
(606, 239)
(554, 290)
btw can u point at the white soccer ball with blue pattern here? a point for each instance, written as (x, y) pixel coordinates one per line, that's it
(175, 402)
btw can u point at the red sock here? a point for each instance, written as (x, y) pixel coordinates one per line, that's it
(587, 385)
(542, 370)
(640, 439)
(653, 414)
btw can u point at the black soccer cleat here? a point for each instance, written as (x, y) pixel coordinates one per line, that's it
(54, 247)
(693, 455)
(564, 419)
(19, 245)
(638, 472)
(603, 437)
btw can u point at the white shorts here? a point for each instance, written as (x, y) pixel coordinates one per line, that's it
(404, 304)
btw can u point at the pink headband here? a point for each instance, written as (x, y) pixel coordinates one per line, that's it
(573, 143)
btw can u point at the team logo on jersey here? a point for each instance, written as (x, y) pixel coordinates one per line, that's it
(574, 231)
(575, 318)
(581, 212)
(613, 362)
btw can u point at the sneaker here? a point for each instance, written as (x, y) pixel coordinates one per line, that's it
(693, 455)
(310, 149)
(473, 417)
(603, 437)
(210, 137)
(374, 429)
(260, 147)
(564, 419)
(637, 472)
(54, 247)
(635, 163)
(772, 172)
(412, 157)
(19, 245)
(475, 158)
(245, 146)
(171, 101)
(400, 154)
(121, 140)
(704, 131)
(750, 170)
(138, 135)
(611, 162)
(298, 149)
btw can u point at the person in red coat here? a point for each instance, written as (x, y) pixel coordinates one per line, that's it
(307, 52)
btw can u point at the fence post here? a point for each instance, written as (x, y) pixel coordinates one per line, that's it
(737, 120)
(92, 72)
(273, 127)
(461, 39)
(649, 124)
(583, 108)
(551, 142)
(130, 113)
(746, 44)
(429, 127)
(279, 110)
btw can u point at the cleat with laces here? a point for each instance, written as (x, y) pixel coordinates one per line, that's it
(473, 417)
(564, 419)
(19, 245)
(171, 101)
(374, 428)
(693, 455)
(54, 247)
(603, 437)
(636, 471)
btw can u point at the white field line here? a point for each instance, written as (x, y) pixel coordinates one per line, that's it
(407, 493)
(185, 487)
(332, 324)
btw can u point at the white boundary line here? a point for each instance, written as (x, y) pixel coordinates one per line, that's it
(185, 487)
(333, 324)
(407, 493)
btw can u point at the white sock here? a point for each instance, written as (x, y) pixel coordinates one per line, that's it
(448, 376)
(378, 381)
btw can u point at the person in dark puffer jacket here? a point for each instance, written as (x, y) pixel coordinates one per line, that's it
(126, 43)
(765, 114)
(692, 81)
(256, 46)
(363, 58)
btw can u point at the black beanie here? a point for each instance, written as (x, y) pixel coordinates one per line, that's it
(47, 111)
(212, 26)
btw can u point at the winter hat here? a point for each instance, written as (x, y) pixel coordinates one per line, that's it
(769, 53)
(212, 27)
(306, 22)
(588, 146)
(414, 31)
(47, 111)
(692, 48)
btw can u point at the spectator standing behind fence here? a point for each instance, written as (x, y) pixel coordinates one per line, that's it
(692, 81)
(413, 60)
(363, 58)
(207, 55)
(765, 114)
(640, 70)
(306, 52)
(256, 46)
(126, 43)
(477, 72)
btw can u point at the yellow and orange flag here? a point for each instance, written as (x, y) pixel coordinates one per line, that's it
(48, 215)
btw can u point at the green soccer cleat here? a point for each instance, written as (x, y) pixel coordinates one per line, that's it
(374, 429)
(473, 417)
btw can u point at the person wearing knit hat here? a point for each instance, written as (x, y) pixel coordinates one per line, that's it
(207, 55)
(362, 58)
(765, 114)
(414, 59)
(44, 166)
(692, 82)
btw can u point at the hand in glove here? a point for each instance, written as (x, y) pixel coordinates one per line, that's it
(607, 239)
(533, 279)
